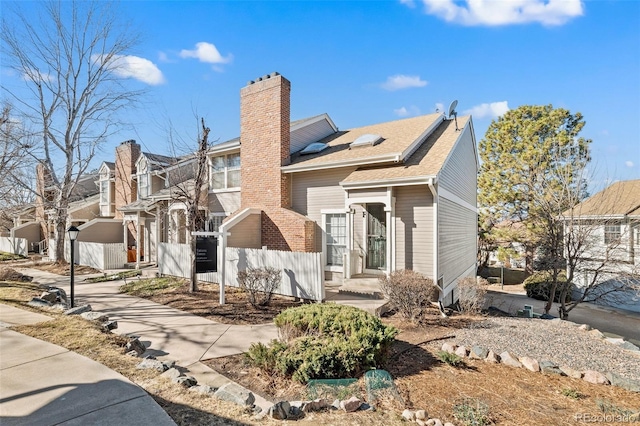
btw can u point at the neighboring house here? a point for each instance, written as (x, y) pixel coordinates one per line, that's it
(610, 222)
(374, 199)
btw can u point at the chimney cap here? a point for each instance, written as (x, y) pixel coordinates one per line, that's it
(129, 142)
(275, 74)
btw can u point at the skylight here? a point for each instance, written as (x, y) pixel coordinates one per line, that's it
(314, 148)
(366, 139)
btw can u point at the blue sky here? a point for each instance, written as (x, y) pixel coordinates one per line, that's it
(367, 62)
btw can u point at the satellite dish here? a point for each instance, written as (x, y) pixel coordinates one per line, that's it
(452, 109)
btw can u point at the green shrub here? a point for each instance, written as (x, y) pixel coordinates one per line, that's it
(324, 341)
(472, 412)
(449, 358)
(409, 291)
(538, 286)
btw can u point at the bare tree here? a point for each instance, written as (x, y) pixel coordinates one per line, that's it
(70, 59)
(573, 239)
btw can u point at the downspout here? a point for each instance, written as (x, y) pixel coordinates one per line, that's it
(436, 235)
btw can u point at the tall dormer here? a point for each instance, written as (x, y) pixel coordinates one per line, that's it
(107, 186)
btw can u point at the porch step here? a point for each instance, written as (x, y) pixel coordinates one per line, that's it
(361, 292)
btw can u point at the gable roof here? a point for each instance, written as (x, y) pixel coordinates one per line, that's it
(619, 199)
(426, 161)
(400, 138)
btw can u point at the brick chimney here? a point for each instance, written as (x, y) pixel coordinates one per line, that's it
(127, 154)
(265, 142)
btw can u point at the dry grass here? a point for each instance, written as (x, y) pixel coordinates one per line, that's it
(19, 293)
(62, 268)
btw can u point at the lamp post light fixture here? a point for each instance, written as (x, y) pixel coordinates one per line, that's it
(73, 236)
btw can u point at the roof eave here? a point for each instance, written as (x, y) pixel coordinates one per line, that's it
(386, 158)
(402, 181)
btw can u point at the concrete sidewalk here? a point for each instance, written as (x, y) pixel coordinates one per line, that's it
(45, 384)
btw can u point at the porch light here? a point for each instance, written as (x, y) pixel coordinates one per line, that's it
(73, 233)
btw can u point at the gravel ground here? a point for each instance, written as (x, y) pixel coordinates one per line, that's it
(559, 341)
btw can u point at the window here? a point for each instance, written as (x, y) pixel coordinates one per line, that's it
(225, 171)
(143, 185)
(104, 192)
(336, 230)
(215, 220)
(611, 234)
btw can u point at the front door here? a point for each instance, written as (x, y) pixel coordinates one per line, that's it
(376, 236)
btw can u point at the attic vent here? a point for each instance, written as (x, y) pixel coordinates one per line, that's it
(366, 139)
(314, 148)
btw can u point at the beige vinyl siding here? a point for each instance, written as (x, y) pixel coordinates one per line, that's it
(457, 240)
(103, 231)
(312, 192)
(224, 202)
(459, 173)
(89, 212)
(246, 234)
(354, 194)
(414, 228)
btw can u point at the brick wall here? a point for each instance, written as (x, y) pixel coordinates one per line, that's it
(127, 154)
(265, 137)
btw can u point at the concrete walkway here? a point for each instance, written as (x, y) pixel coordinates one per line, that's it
(45, 384)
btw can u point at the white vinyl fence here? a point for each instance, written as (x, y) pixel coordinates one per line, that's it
(51, 250)
(102, 256)
(302, 273)
(14, 245)
(175, 260)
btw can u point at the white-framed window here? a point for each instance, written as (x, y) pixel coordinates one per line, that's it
(143, 186)
(611, 234)
(335, 227)
(225, 171)
(104, 192)
(214, 221)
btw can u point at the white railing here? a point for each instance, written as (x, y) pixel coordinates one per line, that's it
(102, 256)
(302, 273)
(14, 245)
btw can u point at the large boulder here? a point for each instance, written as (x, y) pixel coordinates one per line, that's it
(596, 377)
(507, 359)
(530, 364)
(235, 393)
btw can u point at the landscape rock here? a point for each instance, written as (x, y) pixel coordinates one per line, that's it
(315, 405)
(78, 310)
(171, 374)
(335, 404)
(421, 415)
(530, 364)
(492, 357)
(449, 347)
(596, 377)
(36, 302)
(295, 413)
(135, 344)
(624, 383)
(421, 422)
(203, 389)
(507, 359)
(462, 351)
(434, 422)
(622, 343)
(550, 367)
(478, 352)
(408, 414)
(60, 306)
(154, 364)
(62, 295)
(596, 333)
(279, 410)
(367, 407)
(110, 325)
(350, 405)
(585, 327)
(186, 381)
(49, 297)
(235, 393)
(575, 374)
(448, 424)
(95, 316)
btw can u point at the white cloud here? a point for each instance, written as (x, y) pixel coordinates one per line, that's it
(36, 76)
(409, 3)
(440, 107)
(141, 69)
(406, 112)
(492, 110)
(206, 52)
(163, 57)
(629, 163)
(129, 66)
(505, 12)
(400, 81)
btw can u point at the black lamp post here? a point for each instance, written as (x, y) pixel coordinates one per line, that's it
(73, 235)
